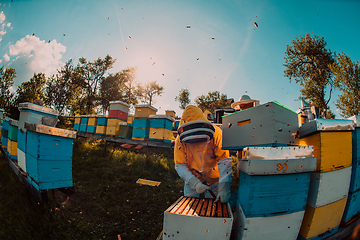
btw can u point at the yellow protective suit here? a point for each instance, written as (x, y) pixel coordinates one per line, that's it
(201, 158)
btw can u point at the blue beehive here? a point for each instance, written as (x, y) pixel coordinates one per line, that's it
(141, 127)
(4, 132)
(49, 156)
(83, 123)
(273, 186)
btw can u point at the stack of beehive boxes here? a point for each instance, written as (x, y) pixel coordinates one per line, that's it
(12, 139)
(49, 156)
(31, 113)
(77, 122)
(274, 178)
(141, 123)
(4, 133)
(273, 190)
(91, 124)
(329, 185)
(118, 113)
(101, 124)
(352, 208)
(83, 123)
(161, 128)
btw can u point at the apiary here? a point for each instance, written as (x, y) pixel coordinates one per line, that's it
(270, 124)
(144, 111)
(273, 186)
(197, 218)
(161, 128)
(49, 156)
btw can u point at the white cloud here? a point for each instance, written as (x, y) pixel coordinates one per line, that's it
(31, 55)
(4, 25)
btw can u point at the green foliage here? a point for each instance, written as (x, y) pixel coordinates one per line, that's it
(308, 62)
(6, 82)
(151, 90)
(92, 74)
(32, 89)
(347, 79)
(183, 98)
(212, 101)
(63, 88)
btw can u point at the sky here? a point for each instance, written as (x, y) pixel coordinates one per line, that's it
(199, 45)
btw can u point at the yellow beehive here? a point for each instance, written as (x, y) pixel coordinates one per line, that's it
(144, 111)
(170, 113)
(92, 121)
(114, 122)
(77, 119)
(130, 119)
(322, 219)
(100, 129)
(12, 147)
(333, 150)
(160, 133)
(112, 130)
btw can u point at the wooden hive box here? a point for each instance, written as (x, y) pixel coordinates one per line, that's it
(83, 123)
(195, 218)
(91, 124)
(285, 226)
(160, 135)
(161, 128)
(332, 141)
(355, 175)
(4, 132)
(328, 187)
(33, 113)
(101, 121)
(100, 130)
(144, 111)
(274, 181)
(21, 149)
(352, 208)
(49, 156)
(130, 119)
(270, 124)
(125, 130)
(112, 127)
(12, 150)
(119, 105)
(170, 113)
(77, 122)
(321, 222)
(13, 130)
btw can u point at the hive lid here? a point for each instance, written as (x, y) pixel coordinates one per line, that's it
(321, 124)
(119, 102)
(356, 119)
(146, 106)
(263, 153)
(163, 116)
(34, 107)
(13, 122)
(39, 128)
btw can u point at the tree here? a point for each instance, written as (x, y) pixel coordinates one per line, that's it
(183, 98)
(32, 89)
(212, 101)
(347, 79)
(63, 88)
(132, 91)
(308, 62)
(151, 90)
(92, 74)
(6, 82)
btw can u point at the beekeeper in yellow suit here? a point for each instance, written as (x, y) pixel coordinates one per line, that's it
(199, 159)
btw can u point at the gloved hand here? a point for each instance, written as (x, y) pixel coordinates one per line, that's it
(196, 185)
(223, 192)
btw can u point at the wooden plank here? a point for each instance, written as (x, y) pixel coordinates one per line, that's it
(183, 206)
(138, 147)
(174, 204)
(210, 204)
(219, 209)
(198, 209)
(178, 205)
(188, 206)
(225, 210)
(203, 210)
(193, 207)
(213, 212)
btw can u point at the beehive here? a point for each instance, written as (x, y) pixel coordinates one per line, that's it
(170, 113)
(322, 221)
(352, 208)
(12, 138)
(161, 128)
(91, 124)
(130, 119)
(144, 111)
(273, 187)
(112, 127)
(83, 123)
(49, 156)
(77, 122)
(195, 218)
(4, 133)
(119, 109)
(141, 127)
(321, 133)
(125, 130)
(271, 228)
(33, 113)
(270, 124)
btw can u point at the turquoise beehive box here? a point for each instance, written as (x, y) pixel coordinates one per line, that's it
(49, 156)
(273, 191)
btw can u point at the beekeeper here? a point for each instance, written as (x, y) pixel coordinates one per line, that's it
(199, 159)
(245, 102)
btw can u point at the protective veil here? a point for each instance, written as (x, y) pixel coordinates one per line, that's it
(203, 165)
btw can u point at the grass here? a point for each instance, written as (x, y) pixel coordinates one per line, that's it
(106, 202)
